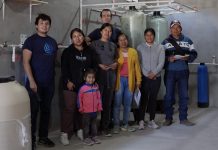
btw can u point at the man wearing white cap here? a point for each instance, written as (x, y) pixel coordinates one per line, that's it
(179, 51)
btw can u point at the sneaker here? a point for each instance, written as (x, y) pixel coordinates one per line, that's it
(46, 142)
(131, 129)
(64, 139)
(88, 142)
(167, 122)
(116, 130)
(187, 123)
(96, 140)
(127, 128)
(141, 125)
(107, 133)
(152, 124)
(80, 134)
(124, 128)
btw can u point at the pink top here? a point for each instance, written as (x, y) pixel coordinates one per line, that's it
(89, 99)
(124, 68)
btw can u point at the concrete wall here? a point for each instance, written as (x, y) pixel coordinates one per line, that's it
(202, 27)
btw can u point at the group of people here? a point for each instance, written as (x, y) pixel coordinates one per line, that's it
(99, 74)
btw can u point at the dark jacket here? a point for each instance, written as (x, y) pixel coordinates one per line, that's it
(74, 63)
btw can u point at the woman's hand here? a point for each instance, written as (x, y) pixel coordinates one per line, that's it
(138, 86)
(113, 66)
(104, 67)
(151, 76)
(70, 85)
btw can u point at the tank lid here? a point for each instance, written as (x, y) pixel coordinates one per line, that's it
(133, 8)
(156, 13)
(7, 79)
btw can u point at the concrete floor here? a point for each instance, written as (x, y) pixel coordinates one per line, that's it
(202, 136)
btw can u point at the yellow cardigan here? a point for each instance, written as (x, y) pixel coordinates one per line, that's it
(134, 71)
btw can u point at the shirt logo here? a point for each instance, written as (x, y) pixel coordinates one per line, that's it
(48, 49)
(81, 58)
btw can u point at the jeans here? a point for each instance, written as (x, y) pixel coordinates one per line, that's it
(179, 78)
(123, 95)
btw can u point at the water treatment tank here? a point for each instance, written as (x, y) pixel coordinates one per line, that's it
(160, 25)
(203, 87)
(14, 109)
(133, 25)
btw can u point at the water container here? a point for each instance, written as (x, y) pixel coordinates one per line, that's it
(133, 25)
(160, 25)
(15, 131)
(203, 88)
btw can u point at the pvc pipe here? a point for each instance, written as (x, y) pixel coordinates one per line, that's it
(39, 1)
(127, 4)
(13, 53)
(192, 8)
(210, 64)
(3, 9)
(62, 46)
(30, 11)
(81, 15)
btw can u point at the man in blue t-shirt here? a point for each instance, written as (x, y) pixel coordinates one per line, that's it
(106, 17)
(39, 54)
(179, 51)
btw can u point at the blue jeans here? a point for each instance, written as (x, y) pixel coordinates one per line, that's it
(174, 78)
(123, 95)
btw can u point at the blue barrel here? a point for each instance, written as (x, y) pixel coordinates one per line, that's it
(203, 88)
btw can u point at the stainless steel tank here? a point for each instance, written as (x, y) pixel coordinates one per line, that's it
(133, 25)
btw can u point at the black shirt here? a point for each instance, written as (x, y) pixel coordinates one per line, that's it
(74, 63)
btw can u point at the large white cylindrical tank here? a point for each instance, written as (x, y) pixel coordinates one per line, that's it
(160, 25)
(15, 126)
(133, 25)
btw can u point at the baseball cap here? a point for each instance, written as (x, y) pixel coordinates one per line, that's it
(174, 22)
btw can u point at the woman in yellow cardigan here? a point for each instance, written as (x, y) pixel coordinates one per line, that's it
(128, 78)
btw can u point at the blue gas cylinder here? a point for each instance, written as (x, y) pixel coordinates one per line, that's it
(203, 88)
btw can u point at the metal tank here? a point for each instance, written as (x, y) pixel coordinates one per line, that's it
(160, 25)
(133, 25)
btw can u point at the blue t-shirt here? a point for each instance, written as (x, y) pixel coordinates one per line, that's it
(96, 35)
(43, 58)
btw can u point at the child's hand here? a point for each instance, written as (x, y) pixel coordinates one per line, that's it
(81, 110)
(70, 85)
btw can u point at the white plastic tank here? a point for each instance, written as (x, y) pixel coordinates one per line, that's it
(15, 126)
(133, 25)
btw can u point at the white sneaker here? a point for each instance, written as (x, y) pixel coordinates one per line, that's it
(141, 125)
(127, 128)
(152, 124)
(80, 134)
(64, 139)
